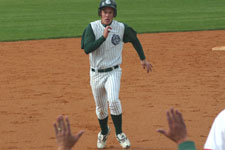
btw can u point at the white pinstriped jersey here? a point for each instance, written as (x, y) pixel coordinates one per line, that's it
(110, 52)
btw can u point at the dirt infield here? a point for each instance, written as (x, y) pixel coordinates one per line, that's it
(41, 79)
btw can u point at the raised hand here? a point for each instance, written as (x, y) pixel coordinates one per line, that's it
(64, 137)
(177, 129)
(106, 31)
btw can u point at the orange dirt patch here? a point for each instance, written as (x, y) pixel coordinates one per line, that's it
(41, 79)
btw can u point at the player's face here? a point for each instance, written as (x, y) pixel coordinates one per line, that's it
(107, 15)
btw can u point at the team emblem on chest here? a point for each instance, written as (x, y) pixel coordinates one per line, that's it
(115, 39)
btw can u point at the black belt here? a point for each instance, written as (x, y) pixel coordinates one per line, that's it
(105, 70)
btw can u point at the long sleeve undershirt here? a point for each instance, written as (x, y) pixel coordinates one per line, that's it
(187, 145)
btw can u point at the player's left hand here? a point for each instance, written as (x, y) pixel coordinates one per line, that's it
(146, 65)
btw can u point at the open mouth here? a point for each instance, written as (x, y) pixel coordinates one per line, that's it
(107, 20)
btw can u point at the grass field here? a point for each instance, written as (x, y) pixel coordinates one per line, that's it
(42, 19)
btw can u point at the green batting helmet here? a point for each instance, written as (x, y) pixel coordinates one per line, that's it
(107, 3)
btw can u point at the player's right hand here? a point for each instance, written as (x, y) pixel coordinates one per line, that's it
(106, 31)
(147, 65)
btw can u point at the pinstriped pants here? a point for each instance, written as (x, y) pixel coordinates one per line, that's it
(105, 89)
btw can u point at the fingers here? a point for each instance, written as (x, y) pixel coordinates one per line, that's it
(68, 126)
(61, 124)
(180, 118)
(80, 134)
(56, 129)
(77, 136)
(176, 116)
(146, 65)
(162, 132)
(169, 119)
(143, 66)
(64, 126)
(150, 68)
(108, 28)
(106, 31)
(173, 115)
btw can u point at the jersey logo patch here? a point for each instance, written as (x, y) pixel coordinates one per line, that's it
(115, 39)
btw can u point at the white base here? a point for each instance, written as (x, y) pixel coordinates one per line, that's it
(219, 48)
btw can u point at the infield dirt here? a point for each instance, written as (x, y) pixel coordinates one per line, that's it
(42, 79)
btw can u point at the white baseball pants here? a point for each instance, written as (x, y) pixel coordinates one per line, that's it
(105, 89)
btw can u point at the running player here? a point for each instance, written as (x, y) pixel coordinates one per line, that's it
(103, 40)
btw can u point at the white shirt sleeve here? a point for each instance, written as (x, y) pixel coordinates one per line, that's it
(216, 137)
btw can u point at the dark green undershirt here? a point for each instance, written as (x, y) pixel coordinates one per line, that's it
(90, 44)
(187, 145)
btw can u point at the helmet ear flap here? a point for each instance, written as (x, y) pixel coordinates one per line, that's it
(115, 12)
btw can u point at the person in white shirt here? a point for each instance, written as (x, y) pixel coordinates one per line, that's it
(216, 137)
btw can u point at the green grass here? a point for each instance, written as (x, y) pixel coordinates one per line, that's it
(42, 19)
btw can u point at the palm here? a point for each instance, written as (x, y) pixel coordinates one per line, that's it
(177, 129)
(64, 137)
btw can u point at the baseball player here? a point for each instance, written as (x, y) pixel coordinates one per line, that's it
(216, 137)
(103, 40)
